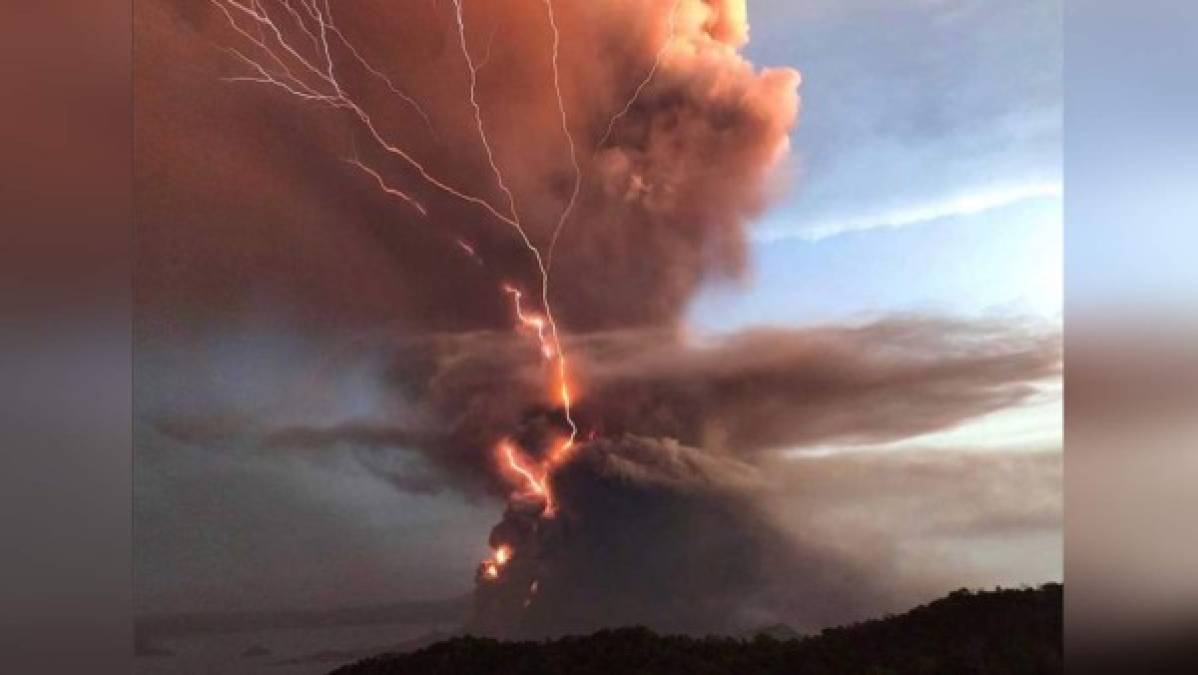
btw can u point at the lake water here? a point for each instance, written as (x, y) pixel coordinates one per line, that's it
(293, 651)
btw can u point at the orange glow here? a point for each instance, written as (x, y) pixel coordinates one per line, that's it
(534, 476)
(516, 463)
(560, 453)
(550, 343)
(551, 350)
(502, 555)
(499, 557)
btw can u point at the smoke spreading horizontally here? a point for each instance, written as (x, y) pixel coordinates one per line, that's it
(555, 180)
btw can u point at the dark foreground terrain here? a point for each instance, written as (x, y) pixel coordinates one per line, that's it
(989, 632)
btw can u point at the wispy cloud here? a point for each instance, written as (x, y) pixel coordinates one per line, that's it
(962, 204)
(914, 111)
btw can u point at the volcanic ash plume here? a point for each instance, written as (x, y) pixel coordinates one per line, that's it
(526, 195)
(666, 530)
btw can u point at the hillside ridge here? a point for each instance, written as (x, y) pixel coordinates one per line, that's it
(977, 632)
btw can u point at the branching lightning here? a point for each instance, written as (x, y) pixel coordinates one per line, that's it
(482, 63)
(532, 321)
(636, 94)
(311, 74)
(533, 478)
(514, 218)
(513, 215)
(325, 79)
(379, 74)
(561, 108)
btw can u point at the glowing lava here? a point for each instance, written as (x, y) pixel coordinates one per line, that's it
(499, 557)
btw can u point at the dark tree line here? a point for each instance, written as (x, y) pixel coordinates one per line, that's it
(965, 633)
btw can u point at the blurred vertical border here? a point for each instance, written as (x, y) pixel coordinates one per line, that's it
(1131, 381)
(65, 204)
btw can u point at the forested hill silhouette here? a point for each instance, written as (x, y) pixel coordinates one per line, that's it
(976, 633)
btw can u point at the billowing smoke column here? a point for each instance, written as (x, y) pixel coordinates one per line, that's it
(541, 188)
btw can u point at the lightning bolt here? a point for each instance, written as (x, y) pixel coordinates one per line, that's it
(469, 250)
(311, 74)
(661, 51)
(299, 21)
(394, 192)
(534, 478)
(561, 108)
(513, 217)
(380, 75)
(536, 323)
(482, 63)
(318, 90)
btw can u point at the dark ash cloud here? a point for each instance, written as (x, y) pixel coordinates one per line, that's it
(248, 216)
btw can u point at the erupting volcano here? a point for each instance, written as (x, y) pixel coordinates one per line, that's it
(305, 52)
(541, 188)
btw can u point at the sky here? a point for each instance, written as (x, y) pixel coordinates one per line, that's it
(925, 177)
(923, 180)
(926, 167)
